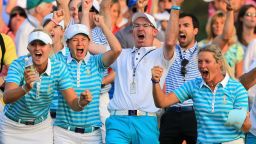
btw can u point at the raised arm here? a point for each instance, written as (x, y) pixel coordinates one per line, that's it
(228, 30)
(161, 99)
(63, 4)
(172, 30)
(14, 92)
(105, 12)
(110, 56)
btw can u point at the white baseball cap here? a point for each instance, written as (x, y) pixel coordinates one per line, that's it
(145, 15)
(39, 35)
(162, 16)
(75, 29)
(49, 17)
(208, 0)
(96, 5)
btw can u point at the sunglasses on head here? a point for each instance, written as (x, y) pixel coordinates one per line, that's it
(183, 71)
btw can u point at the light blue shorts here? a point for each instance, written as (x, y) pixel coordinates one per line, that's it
(132, 130)
(250, 138)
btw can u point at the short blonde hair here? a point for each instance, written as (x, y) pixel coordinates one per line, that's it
(218, 56)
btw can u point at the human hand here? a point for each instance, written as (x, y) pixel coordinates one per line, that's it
(157, 73)
(247, 123)
(85, 98)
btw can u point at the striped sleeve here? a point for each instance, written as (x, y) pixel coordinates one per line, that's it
(184, 92)
(15, 73)
(64, 77)
(241, 100)
(99, 62)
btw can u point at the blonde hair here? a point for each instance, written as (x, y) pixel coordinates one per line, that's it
(209, 31)
(218, 56)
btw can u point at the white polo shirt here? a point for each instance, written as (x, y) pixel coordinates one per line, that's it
(142, 99)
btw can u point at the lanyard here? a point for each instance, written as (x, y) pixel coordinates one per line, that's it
(133, 64)
(181, 57)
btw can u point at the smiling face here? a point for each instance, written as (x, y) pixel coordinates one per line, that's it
(209, 68)
(78, 45)
(40, 53)
(187, 32)
(143, 32)
(249, 19)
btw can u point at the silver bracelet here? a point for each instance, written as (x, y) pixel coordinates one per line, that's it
(24, 88)
(78, 103)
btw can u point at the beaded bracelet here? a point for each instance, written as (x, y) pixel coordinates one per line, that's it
(175, 8)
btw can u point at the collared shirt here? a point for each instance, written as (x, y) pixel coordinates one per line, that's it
(86, 74)
(142, 100)
(37, 101)
(174, 78)
(54, 105)
(21, 39)
(212, 107)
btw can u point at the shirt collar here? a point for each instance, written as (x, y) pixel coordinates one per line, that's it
(49, 67)
(86, 58)
(134, 49)
(192, 49)
(224, 82)
(63, 51)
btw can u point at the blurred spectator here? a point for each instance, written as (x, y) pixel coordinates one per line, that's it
(37, 10)
(246, 25)
(17, 17)
(115, 14)
(73, 9)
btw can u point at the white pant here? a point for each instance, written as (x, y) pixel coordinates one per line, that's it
(15, 133)
(104, 113)
(63, 136)
(238, 141)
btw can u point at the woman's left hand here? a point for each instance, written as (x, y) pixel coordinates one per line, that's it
(247, 123)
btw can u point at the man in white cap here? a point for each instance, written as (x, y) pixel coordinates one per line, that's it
(87, 73)
(133, 113)
(29, 90)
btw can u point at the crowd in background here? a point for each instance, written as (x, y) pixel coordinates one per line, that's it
(92, 68)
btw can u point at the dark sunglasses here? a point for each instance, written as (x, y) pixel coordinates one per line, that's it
(18, 13)
(183, 71)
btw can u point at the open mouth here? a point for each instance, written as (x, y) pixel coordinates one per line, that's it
(204, 73)
(182, 36)
(38, 54)
(141, 36)
(79, 51)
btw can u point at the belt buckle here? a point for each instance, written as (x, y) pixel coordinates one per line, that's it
(132, 112)
(79, 130)
(179, 109)
(29, 122)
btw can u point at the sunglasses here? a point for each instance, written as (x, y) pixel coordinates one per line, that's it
(183, 71)
(18, 13)
(250, 14)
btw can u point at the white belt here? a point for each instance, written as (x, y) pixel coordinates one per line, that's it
(132, 113)
(238, 141)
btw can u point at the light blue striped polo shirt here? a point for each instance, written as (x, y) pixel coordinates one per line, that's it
(36, 102)
(174, 78)
(54, 105)
(212, 108)
(86, 75)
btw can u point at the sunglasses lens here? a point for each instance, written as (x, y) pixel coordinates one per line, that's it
(184, 62)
